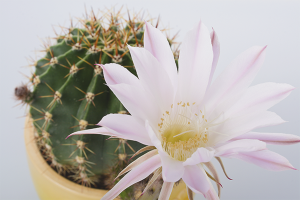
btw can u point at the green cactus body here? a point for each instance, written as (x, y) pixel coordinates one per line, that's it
(70, 94)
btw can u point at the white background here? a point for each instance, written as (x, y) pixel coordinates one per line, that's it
(239, 25)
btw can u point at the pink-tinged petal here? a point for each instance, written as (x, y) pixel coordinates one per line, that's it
(196, 179)
(199, 156)
(235, 147)
(137, 101)
(265, 159)
(234, 127)
(195, 62)
(152, 76)
(156, 43)
(235, 78)
(127, 126)
(260, 98)
(166, 190)
(216, 51)
(129, 91)
(271, 138)
(137, 174)
(172, 170)
(116, 74)
(211, 193)
(100, 131)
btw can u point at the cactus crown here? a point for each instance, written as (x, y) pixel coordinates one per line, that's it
(69, 94)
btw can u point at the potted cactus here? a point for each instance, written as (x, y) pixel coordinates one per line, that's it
(67, 93)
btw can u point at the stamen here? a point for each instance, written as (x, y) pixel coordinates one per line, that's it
(183, 133)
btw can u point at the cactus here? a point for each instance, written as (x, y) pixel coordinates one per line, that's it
(69, 94)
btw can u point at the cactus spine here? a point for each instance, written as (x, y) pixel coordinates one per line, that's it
(69, 94)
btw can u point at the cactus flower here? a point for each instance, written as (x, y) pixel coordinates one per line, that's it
(185, 119)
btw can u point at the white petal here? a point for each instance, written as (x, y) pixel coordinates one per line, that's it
(201, 155)
(195, 62)
(156, 43)
(116, 74)
(260, 98)
(172, 170)
(166, 190)
(265, 159)
(216, 51)
(153, 77)
(127, 126)
(137, 174)
(195, 178)
(137, 101)
(235, 78)
(271, 138)
(235, 147)
(130, 92)
(240, 125)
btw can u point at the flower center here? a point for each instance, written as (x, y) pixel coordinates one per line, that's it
(183, 129)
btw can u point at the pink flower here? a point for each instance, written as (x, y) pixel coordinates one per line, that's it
(186, 119)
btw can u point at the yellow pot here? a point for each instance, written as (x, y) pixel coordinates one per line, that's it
(52, 186)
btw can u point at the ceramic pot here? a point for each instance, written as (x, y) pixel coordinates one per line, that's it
(50, 185)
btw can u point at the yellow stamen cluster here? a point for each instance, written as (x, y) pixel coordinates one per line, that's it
(183, 130)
